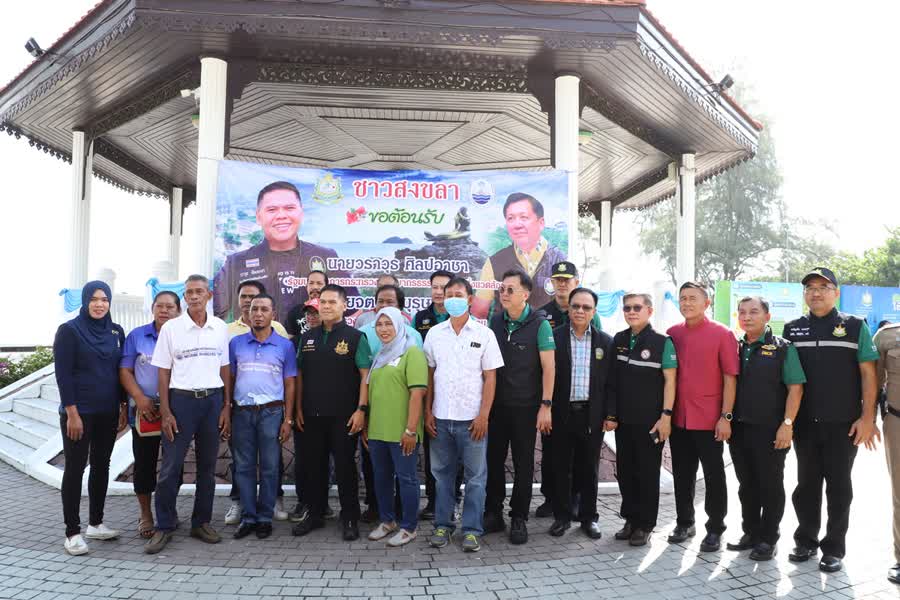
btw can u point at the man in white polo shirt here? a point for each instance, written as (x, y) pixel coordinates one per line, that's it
(195, 403)
(463, 356)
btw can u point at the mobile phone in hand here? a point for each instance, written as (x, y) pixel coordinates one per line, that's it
(655, 437)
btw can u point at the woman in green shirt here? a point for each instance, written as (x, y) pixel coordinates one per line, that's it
(397, 383)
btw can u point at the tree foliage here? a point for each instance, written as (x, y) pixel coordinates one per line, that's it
(877, 266)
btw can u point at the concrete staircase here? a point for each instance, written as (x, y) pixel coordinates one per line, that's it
(32, 420)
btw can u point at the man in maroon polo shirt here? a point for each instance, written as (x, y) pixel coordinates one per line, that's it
(702, 420)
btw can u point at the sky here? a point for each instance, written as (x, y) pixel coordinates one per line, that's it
(822, 72)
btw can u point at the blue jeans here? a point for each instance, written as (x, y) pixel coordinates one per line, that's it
(255, 442)
(198, 420)
(454, 441)
(388, 461)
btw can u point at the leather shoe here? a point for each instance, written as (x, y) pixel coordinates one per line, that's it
(591, 529)
(745, 543)
(639, 537)
(680, 534)
(763, 551)
(307, 525)
(625, 532)
(351, 531)
(244, 530)
(830, 564)
(559, 528)
(711, 543)
(518, 531)
(544, 510)
(263, 530)
(801, 554)
(894, 574)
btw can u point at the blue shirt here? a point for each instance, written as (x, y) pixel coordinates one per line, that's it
(138, 352)
(260, 368)
(375, 341)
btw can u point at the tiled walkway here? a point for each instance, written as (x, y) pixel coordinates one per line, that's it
(33, 564)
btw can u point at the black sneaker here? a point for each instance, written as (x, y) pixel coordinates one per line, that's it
(244, 530)
(544, 510)
(518, 531)
(307, 525)
(299, 512)
(263, 530)
(681, 534)
(351, 531)
(493, 523)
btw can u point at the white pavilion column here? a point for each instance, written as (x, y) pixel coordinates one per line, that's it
(80, 213)
(175, 232)
(210, 150)
(566, 122)
(606, 282)
(685, 217)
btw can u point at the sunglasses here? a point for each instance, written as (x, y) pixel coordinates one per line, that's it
(584, 307)
(507, 290)
(632, 308)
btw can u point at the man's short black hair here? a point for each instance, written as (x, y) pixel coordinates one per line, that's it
(322, 273)
(264, 296)
(251, 283)
(333, 287)
(584, 290)
(536, 206)
(279, 185)
(762, 301)
(693, 285)
(401, 297)
(524, 278)
(170, 293)
(440, 273)
(460, 281)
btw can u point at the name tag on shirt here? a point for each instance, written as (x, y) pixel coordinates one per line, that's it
(475, 345)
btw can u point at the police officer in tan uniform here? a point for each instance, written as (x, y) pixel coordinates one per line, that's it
(887, 341)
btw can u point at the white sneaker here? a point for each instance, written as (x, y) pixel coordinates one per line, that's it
(76, 545)
(233, 516)
(280, 513)
(101, 532)
(382, 531)
(402, 538)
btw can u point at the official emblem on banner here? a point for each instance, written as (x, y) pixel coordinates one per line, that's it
(327, 190)
(342, 348)
(317, 263)
(839, 331)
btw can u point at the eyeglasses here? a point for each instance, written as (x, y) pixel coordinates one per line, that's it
(816, 289)
(507, 290)
(584, 307)
(632, 308)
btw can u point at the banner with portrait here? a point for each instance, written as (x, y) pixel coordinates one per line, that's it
(275, 224)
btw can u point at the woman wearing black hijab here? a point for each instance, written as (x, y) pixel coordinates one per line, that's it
(87, 351)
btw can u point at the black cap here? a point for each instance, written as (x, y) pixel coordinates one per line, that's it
(820, 272)
(564, 269)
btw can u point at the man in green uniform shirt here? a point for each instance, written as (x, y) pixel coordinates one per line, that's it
(769, 389)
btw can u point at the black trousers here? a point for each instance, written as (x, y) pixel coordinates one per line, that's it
(323, 436)
(690, 449)
(576, 456)
(96, 446)
(760, 472)
(638, 460)
(510, 428)
(146, 458)
(824, 453)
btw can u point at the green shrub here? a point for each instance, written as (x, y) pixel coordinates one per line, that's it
(15, 369)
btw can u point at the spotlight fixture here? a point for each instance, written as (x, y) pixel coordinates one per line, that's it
(725, 84)
(33, 48)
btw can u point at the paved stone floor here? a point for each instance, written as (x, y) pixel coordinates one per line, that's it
(34, 566)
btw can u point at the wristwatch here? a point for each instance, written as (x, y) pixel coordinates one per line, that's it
(547, 402)
(364, 408)
(789, 421)
(667, 412)
(727, 416)
(409, 433)
(289, 422)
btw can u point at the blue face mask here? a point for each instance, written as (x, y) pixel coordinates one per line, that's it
(456, 307)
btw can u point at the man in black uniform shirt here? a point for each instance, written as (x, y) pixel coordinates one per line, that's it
(331, 407)
(296, 323)
(769, 389)
(837, 415)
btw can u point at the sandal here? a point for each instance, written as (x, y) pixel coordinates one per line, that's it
(146, 529)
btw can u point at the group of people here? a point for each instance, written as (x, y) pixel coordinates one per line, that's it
(468, 394)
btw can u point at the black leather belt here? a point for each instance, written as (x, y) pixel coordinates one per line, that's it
(892, 410)
(258, 406)
(579, 405)
(196, 393)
